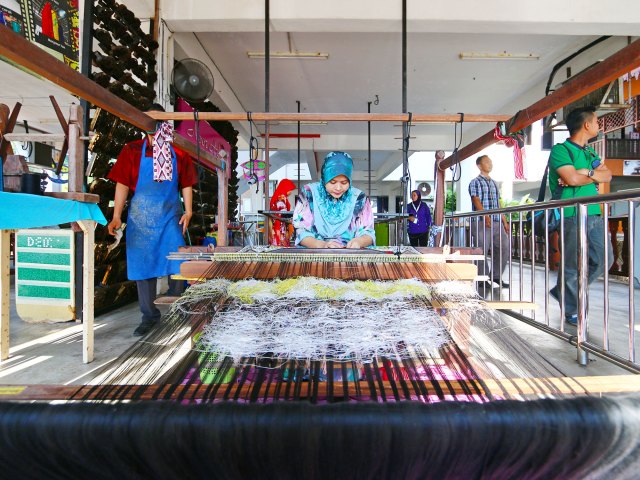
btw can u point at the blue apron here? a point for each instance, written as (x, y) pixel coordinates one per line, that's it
(152, 223)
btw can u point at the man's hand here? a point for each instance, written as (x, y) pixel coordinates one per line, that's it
(184, 221)
(487, 222)
(114, 225)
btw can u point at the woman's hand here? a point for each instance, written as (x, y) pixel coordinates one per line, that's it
(334, 244)
(354, 243)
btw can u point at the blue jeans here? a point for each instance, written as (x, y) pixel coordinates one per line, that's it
(596, 246)
(147, 295)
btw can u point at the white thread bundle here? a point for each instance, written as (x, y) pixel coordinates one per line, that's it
(317, 330)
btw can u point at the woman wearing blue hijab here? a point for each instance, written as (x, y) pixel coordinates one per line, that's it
(333, 213)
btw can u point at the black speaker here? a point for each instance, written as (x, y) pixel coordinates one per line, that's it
(547, 140)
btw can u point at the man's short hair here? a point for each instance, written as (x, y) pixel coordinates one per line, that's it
(479, 159)
(577, 117)
(155, 107)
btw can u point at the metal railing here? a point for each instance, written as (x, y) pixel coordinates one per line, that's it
(606, 317)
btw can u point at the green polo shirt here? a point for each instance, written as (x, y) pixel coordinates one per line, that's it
(582, 158)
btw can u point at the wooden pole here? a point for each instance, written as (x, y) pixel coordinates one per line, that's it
(76, 149)
(88, 228)
(331, 117)
(601, 74)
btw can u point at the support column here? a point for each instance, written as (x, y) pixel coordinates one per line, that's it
(5, 320)
(88, 228)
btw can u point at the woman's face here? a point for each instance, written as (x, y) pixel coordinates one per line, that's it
(337, 186)
(414, 196)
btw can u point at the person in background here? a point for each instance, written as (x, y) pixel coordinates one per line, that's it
(419, 220)
(155, 172)
(333, 213)
(577, 167)
(490, 233)
(280, 233)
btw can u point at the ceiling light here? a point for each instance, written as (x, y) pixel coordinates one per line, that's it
(310, 55)
(498, 56)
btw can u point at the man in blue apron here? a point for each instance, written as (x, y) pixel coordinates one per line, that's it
(154, 171)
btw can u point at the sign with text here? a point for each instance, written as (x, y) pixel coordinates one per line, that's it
(44, 263)
(210, 140)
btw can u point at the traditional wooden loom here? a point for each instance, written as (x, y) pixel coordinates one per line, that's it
(461, 369)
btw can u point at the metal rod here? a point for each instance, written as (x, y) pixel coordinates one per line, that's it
(605, 304)
(267, 58)
(404, 56)
(583, 282)
(369, 152)
(632, 303)
(298, 102)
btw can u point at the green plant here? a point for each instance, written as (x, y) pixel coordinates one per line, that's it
(526, 200)
(450, 203)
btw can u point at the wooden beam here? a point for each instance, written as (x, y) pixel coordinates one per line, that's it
(509, 386)
(595, 77)
(35, 137)
(33, 58)
(65, 129)
(79, 196)
(329, 117)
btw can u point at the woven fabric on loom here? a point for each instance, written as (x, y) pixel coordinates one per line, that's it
(324, 341)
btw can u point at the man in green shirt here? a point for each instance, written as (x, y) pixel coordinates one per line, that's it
(578, 169)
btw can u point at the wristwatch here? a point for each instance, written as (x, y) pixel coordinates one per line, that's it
(590, 174)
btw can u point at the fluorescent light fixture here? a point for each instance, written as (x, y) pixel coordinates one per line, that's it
(310, 55)
(498, 56)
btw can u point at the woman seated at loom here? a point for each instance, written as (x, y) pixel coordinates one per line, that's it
(333, 213)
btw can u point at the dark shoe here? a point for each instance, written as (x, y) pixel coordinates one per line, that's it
(502, 283)
(571, 319)
(143, 329)
(554, 293)
(484, 288)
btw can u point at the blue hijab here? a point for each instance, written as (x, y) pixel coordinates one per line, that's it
(332, 216)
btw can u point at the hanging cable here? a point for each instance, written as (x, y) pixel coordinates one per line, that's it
(253, 154)
(200, 174)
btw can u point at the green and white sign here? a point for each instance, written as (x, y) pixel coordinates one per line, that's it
(44, 263)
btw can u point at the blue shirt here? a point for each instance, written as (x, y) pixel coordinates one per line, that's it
(486, 189)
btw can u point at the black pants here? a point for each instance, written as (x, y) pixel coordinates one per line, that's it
(419, 239)
(147, 295)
